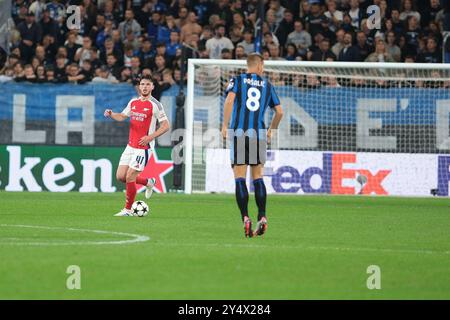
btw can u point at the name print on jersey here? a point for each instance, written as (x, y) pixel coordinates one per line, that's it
(138, 116)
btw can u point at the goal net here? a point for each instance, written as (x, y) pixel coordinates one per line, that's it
(348, 128)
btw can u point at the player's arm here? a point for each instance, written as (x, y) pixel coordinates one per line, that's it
(164, 126)
(227, 109)
(115, 116)
(278, 115)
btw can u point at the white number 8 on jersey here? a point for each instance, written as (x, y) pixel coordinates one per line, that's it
(253, 95)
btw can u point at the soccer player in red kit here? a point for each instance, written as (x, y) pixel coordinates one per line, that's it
(143, 112)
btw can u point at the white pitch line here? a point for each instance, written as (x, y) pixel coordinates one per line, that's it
(136, 237)
(252, 246)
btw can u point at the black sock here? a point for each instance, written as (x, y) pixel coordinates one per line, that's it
(260, 197)
(242, 196)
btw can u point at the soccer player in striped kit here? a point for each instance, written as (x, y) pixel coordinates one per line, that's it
(143, 112)
(249, 95)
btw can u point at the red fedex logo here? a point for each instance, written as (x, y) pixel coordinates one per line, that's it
(287, 179)
(372, 185)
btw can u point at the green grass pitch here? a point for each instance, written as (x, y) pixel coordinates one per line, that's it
(317, 247)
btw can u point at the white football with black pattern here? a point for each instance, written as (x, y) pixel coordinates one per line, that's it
(140, 208)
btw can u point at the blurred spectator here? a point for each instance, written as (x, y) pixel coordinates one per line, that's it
(347, 23)
(222, 9)
(85, 52)
(349, 52)
(166, 29)
(110, 49)
(146, 53)
(135, 67)
(397, 23)
(87, 70)
(109, 12)
(380, 54)
(40, 74)
(48, 25)
(431, 54)
(247, 43)
(413, 33)
(207, 33)
(286, 27)
(269, 37)
(113, 66)
(131, 41)
(182, 17)
(408, 10)
(57, 11)
(271, 21)
(391, 46)
(41, 55)
(339, 45)
(31, 34)
(60, 69)
(153, 27)
(27, 74)
(137, 35)
(432, 12)
(74, 75)
(50, 75)
(102, 75)
(226, 54)
(125, 75)
(129, 25)
(300, 37)
(314, 18)
(239, 21)
(291, 52)
(18, 71)
(239, 53)
(235, 35)
(215, 45)
(174, 44)
(275, 53)
(364, 48)
(102, 30)
(355, 13)
(128, 54)
(334, 16)
(191, 26)
(324, 52)
(50, 48)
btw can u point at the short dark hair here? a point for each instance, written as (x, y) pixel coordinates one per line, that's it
(145, 77)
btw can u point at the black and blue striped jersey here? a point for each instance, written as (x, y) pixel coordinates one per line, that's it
(254, 94)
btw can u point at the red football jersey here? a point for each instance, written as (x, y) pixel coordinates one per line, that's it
(143, 115)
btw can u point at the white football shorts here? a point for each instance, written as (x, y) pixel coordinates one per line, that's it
(135, 158)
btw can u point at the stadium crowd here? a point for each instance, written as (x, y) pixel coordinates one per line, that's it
(116, 40)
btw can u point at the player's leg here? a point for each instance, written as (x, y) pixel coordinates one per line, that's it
(131, 187)
(260, 197)
(135, 162)
(124, 162)
(121, 173)
(241, 192)
(148, 183)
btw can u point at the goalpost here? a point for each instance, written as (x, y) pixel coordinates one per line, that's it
(348, 128)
